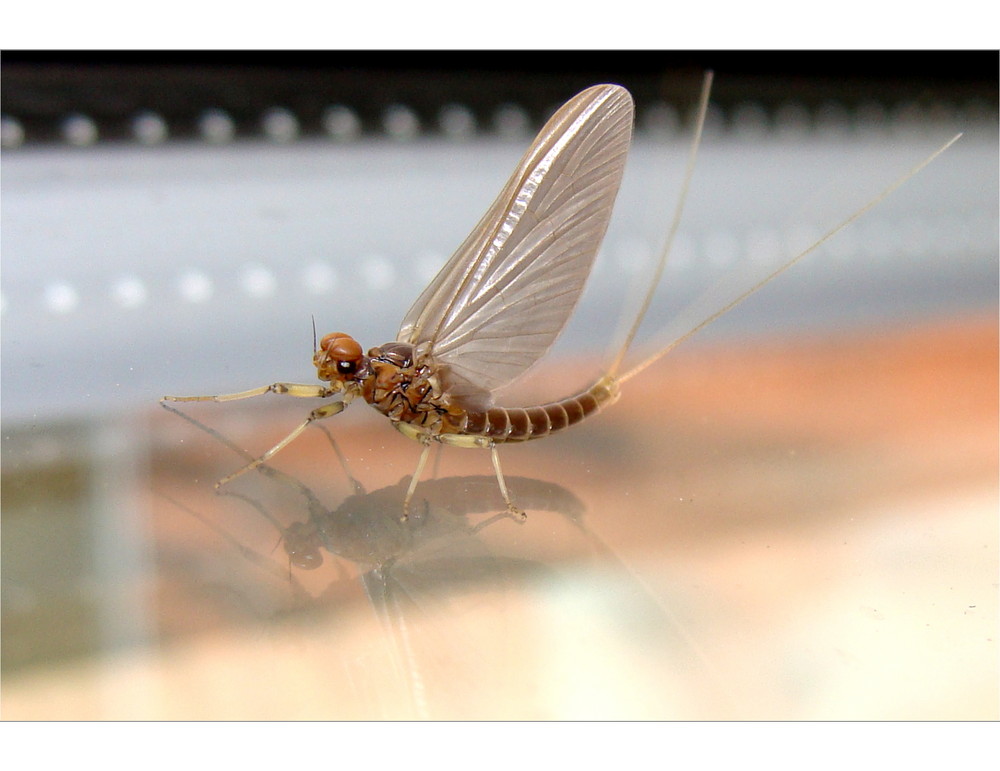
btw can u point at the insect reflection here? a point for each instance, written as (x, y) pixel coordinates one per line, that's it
(502, 299)
(365, 528)
(415, 577)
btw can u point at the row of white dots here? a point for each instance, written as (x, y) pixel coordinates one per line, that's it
(375, 274)
(457, 121)
(281, 125)
(716, 250)
(878, 242)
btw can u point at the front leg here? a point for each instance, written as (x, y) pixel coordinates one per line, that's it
(292, 389)
(326, 411)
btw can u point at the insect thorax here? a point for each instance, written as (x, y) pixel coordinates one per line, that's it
(405, 391)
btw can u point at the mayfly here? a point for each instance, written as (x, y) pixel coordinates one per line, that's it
(504, 297)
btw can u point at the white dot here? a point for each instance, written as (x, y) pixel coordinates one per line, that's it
(633, 255)
(792, 120)
(428, 265)
(832, 119)
(280, 124)
(880, 237)
(79, 130)
(341, 122)
(400, 122)
(129, 292)
(149, 128)
(915, 234)
(661, 119)
(378, 273)
(715, 120)
(870, 115)
(194, 286)
(799, 236)
(975, 111)
(216, 126)
(319, 278)
(763, 246)
(682, 253)
(61, 298)
(843, 247)
(457, 121)
(721, 249)
(750, 119)
(950, 233)
(258, 281)
(944, 114)
(907, 115)
(511, 121)
(11, 132)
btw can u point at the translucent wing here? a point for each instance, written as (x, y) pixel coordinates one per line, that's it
(506, 294)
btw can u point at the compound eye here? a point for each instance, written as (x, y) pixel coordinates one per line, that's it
(309, 559)
(343, 350)
(300, 546)
(340, 346)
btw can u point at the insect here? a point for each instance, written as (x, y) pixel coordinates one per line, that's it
(503, 298)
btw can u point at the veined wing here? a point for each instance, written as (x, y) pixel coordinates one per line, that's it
(502, 299)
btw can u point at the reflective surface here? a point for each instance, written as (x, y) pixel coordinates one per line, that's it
(779, 528)
(792, 516)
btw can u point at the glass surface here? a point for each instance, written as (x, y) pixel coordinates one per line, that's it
(801, 529)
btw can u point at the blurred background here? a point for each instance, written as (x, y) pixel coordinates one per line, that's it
(792, 516)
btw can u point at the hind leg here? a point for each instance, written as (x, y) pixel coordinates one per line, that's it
(456, 440)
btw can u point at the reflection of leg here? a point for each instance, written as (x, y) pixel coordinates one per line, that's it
(261, 561)
(292, 389)
(359, 489)
(276, 474)
(326, 411)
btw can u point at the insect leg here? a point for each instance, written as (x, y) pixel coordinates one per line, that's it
(326, 411)
(292, 389)
(485, 443)
(514, 510)
(415, 478)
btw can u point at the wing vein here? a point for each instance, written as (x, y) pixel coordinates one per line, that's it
(505, 295)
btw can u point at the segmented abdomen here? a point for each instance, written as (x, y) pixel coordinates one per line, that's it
(519, 424)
